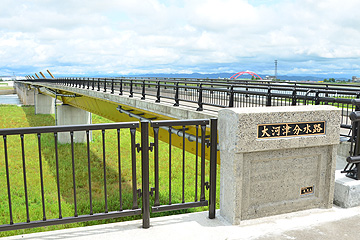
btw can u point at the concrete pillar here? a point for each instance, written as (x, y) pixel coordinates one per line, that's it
(276, 160)
(44, 104)
(69, 115)
(25, 94)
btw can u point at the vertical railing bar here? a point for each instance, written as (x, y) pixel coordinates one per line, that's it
(170, 165)
(73, 171)
(156, 163)
(131, 89)
(213, 165)
(145, 173)
(158, 92)
(24, 175)
(183, 166)
(202, 170)
(112, 86)
(121, 87)
(119, 169)
(104, 85)
(8, 179)
(57, 173)
(41, 177)
(196, 162)
(104, 166)
(133, 162)
(143, 94)
(89, 170)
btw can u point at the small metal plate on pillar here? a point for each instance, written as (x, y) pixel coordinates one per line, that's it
(281, 130)
(306, 190)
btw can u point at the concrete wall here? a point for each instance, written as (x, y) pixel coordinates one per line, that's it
(262, 177)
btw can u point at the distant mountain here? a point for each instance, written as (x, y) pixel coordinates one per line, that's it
(211, 75)
(228, 75)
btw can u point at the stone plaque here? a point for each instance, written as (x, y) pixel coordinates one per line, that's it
(281, 130)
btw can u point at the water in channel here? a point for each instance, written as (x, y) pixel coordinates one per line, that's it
(10, 99)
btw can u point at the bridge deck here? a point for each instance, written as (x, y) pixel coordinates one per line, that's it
(105, 103)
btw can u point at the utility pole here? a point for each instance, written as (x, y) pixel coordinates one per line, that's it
(275, 70)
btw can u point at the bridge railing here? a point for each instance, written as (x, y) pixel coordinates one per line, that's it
(225, 92)
(90, 180)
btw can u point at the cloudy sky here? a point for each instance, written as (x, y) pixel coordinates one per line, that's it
(119, 37)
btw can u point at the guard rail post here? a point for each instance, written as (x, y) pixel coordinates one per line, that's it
(200, 103)
(268, 97)
(145, 173)
(176, 104)
(231, 97)
(158, 92)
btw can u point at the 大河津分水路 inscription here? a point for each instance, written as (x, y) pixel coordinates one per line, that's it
(278, 130)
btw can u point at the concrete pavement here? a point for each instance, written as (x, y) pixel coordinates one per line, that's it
(329, 224)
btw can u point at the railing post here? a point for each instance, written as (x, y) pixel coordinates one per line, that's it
(213, 165)
(231, 97)
(105, 85)
(293, 103)
(145, 173)
(121, 87)
(143, 91)
(317, 98)
(268, 97)
(131, 89)
(176, 104)
(200, 103)
(93, 84)
(158, 92)
(326, 94)
(98, 85)
(84, 83)
(112, 86)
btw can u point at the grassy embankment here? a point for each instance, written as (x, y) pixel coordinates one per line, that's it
(14, 117)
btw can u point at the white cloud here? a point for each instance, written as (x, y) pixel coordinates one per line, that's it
(120, 36)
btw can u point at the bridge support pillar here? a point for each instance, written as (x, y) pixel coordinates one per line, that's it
(69, 115)
(25, 94)
(44, 104)
(276, 160)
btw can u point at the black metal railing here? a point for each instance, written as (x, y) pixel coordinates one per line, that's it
(167, 129)
(47, 141)
(207, 93)
(353, 161)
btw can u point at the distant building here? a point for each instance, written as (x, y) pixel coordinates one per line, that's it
(355, 79)
(11, 78)
(270, 78)
(6, 78)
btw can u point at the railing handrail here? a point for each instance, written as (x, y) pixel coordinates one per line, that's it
(219, 82)
(67, 128)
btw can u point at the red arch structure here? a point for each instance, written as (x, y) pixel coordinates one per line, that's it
(236, 75)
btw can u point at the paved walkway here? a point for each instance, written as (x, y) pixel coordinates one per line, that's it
(330, 224)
